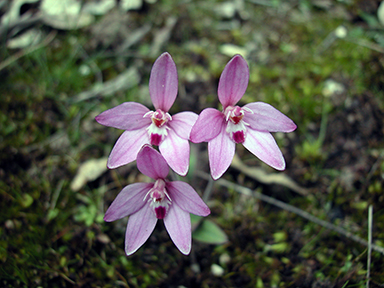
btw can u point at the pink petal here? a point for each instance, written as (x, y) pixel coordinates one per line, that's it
(264, 147)
(163, 83)
(139, 228)
(128, 201)
(127, 147)
(233, 81)
(175, 151)
(178, 224)
(208, 125)
(220, 151)
(126, 116)
(267, 118)
(151, 163)
(187, 198)
(182, 123)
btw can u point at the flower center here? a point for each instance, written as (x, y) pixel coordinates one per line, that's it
(159, 199)
(235, 115)
(236, 127)
(157, 131)
(159, 118)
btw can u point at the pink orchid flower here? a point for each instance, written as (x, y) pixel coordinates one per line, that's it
(147, 202)
(170, 133)
(249, 125)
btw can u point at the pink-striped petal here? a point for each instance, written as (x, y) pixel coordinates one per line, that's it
(128, 201)
(178, 224)
(151, 163)
(267, 118)
(175, 151)
(220, 151)
(139, 228)
(163, 83)
(208, 125)
(182, 123)
(127, 147)
(233, 81)
(264, 147)
(187, 198)
(126, 116)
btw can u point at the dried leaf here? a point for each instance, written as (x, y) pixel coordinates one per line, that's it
(89, 171)
(29, 38)
(131, 4)
(380, 13)
(99, 7)
(230, 50)
(273, 178)
(13, 14)
(64, 14)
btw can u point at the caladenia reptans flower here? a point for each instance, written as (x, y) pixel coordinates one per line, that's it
(158, 127)
(249, 125)
(148, 202)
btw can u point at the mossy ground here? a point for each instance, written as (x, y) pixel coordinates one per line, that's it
(51, 236)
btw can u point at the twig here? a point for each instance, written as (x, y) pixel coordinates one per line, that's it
(23, 22)
(129, 78)
(22, 53)
(208, 190)
(367, 44)
(92, 63)
(370, 216)
(162, 36)
(290, 208)
(206, 194)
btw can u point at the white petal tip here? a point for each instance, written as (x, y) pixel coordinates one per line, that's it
(185, 250)
(217, 174)
(113, 166)
(182, 173)
(130, 251)
(280, 167)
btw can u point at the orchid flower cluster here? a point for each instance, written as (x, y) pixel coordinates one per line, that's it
(172, 201)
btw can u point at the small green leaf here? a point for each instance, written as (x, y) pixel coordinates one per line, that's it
(360, 205)
(26, 200)
(195, 219)
(280, 236)
(209, 232)
(52, 213)
(280, 247)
